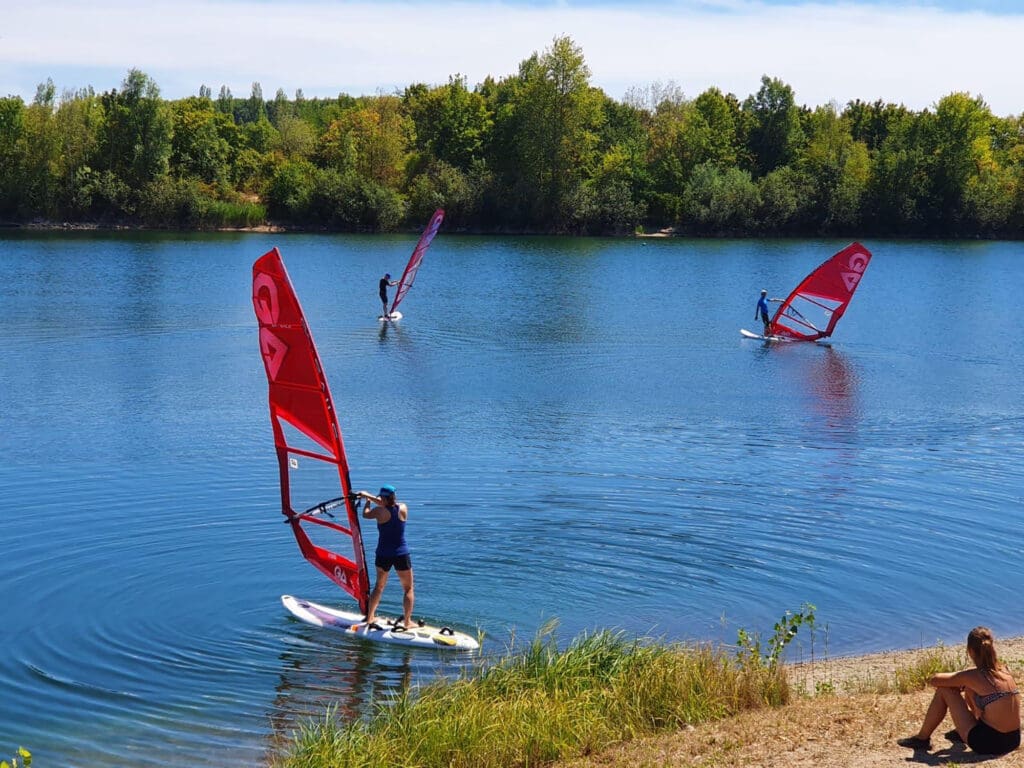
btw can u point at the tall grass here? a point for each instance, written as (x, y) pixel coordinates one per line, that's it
(544, 705)
(914, 677)
(219, 213)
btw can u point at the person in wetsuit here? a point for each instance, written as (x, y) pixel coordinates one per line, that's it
(984, 702)
(385, 282)
(392, 550)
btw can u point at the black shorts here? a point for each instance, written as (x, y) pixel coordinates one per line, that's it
(400, 562)
(986, 740)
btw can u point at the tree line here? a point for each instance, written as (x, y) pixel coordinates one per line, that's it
(538, 151)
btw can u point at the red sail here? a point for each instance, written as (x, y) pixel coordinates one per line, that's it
(812, 310)
(306, 433)
(417, 256)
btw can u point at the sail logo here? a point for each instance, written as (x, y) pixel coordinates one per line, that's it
(268, 310)
(341, 575)
(857, 262)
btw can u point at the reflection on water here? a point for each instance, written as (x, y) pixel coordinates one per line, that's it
(833, 385)
(321, 674)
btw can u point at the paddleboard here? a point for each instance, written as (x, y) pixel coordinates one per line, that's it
(353, 624)
(392, 316)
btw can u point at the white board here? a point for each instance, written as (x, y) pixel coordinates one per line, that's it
(353, 624)
(392, 316)
(751, 335)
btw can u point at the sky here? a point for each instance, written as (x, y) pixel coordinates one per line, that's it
(910, 53)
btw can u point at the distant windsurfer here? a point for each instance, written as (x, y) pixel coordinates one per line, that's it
(392, 549)
(385, 282)
(762, 312)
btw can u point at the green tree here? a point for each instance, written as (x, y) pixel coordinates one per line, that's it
(617, 207)
(135, 142)
(376, 137)
(721, 201)
(291, 189)
(960, 148)
(336, 148)
(775, 133)
(839, 166)
(198, 147)
(280, 108)
(872, 123)
(254, 109)
(79, 122)
(225, 101)
(725, 126)
(622, 184)
(40, 154)
(443, 186)
(545, 145)
(12, 128)
(452, 123)
(295, 138)
(787, 202)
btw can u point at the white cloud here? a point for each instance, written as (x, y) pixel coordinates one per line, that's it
(911, 55)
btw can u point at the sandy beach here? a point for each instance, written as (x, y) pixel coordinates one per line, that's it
(834, 723)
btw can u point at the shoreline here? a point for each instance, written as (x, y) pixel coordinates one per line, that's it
(269, 228)
(851, 671)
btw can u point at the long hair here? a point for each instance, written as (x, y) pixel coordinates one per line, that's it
(982, 647)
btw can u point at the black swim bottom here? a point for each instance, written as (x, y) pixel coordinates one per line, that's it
(986, 740)
(400, 563)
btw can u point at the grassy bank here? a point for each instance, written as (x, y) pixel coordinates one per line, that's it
(607, 701)
(544, 705)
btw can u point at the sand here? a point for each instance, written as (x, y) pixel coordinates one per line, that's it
(834, 724)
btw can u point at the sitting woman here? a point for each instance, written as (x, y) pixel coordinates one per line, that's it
(983, 702)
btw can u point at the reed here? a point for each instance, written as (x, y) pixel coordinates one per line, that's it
(221, 213)
(543, 704)
(914, 677)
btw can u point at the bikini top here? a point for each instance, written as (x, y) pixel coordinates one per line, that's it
(988, 698)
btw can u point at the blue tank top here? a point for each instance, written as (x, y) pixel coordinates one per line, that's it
(391, 535)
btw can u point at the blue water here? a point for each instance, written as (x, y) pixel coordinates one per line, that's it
(576, 424)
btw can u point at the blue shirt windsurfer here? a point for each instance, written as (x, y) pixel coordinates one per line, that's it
(384, 283)
(392, 550)
(763, 313)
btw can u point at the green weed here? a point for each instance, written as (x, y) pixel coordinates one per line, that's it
(543, 704)
(26, 759)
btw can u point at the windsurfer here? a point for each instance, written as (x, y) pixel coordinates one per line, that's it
(385, 282)
(763, 313)
(392, 549)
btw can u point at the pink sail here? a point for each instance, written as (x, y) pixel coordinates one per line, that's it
(310, 453)
(812, 310)
(417, 256)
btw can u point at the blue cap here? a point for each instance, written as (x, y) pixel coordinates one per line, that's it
(387, 275)
(387, 490)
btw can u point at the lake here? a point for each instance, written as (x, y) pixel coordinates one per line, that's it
(579, 431)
